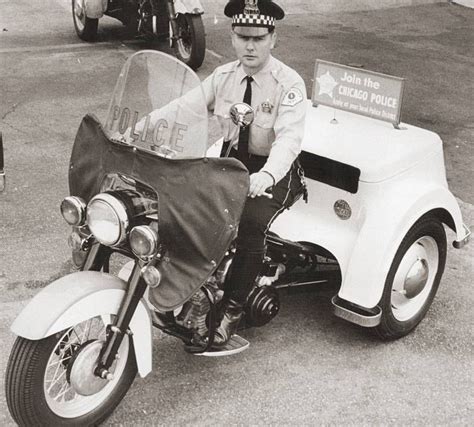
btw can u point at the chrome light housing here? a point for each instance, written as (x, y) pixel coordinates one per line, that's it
(107, 219)
(73, 210)
(143, 241)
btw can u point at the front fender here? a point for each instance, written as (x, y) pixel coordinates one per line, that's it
(77, 297)
(381, 238)
(188, 6)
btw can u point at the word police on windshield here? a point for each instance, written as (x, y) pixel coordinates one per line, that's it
(149, 132)
(363, 92)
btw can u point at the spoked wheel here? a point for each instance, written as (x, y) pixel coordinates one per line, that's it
(52, 382)
(86, 28)
(190, 46)
(413, 278)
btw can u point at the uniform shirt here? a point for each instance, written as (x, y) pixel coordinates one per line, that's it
(279, 101)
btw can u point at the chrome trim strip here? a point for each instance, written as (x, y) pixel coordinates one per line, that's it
(458, 244)
(367, 321)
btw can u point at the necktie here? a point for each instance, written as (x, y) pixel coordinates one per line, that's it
(243, 145)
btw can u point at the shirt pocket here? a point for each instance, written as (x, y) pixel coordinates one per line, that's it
(262, 133)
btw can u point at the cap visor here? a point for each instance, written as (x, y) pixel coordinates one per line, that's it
(246, 31)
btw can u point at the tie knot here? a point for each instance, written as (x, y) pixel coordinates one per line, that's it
(249, 79)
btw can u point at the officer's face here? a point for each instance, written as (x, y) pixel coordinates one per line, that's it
(252, 46)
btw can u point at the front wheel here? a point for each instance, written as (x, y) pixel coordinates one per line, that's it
(190, 44)
(51, 381)
(413, 278)
(86, 28)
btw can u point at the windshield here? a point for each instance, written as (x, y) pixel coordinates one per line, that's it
(158, 105)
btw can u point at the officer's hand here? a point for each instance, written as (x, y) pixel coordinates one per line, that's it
(259, 182)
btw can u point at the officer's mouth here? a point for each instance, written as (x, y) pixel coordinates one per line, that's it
(250, 57)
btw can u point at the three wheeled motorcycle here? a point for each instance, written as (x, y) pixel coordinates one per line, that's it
(180, 21)
(154, 213)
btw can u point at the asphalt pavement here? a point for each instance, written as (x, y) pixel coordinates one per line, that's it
(306, 367)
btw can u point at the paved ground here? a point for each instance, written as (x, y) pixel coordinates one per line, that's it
(306, 367)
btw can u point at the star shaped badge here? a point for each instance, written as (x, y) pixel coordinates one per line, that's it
(326, 84)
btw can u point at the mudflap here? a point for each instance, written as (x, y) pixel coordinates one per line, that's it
(236, 344)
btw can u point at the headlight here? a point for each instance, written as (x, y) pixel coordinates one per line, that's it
(107, 219)
(73, 210)
(143, 241)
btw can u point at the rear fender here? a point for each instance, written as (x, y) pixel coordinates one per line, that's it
(188, 6)
(365, 278)
(77, 297)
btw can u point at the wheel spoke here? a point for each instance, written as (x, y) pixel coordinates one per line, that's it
(85, 331)
(62, 392)
(56, 380)
(78, 338)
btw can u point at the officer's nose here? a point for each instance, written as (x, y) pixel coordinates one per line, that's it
(250, 46)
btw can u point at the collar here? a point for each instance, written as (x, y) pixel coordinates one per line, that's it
(259, 76)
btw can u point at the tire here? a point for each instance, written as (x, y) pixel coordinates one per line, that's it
(130, 20)
(39, 378)
(86, 28)
(190, 47)
(413, 278)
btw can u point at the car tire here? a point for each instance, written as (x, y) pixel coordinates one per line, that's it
(413, 278)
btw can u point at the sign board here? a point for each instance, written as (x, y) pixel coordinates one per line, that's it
(362, 92)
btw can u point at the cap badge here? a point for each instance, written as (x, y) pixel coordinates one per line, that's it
(251, 7)
(267, 106)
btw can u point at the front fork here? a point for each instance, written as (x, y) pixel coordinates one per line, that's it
(116, 332)
(98, 259)
(173, 22)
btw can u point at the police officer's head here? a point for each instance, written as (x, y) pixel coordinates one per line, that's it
(253, 30)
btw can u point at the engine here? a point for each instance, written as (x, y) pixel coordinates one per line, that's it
(262, 305)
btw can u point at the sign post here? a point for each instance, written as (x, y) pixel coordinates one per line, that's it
(359, 91)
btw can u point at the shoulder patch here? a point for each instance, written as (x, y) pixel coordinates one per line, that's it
(292, 97)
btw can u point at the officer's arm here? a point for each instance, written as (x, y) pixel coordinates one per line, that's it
(209, 88)
(289, 130)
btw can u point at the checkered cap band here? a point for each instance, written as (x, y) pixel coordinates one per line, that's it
(253, 20)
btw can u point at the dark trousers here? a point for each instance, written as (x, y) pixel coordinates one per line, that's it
(257, 217)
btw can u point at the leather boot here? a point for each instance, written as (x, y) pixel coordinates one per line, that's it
(233, 312)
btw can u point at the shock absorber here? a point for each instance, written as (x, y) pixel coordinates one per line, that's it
(173, 23)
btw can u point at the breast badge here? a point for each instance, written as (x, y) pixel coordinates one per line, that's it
(267, 107)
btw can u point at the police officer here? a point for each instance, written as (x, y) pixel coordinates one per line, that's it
(269, 147)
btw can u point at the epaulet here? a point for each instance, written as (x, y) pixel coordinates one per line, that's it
(285, 75)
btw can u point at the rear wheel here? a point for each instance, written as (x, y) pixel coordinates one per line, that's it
(190, 46)
(413, 278)
(86, 28)
(52, 382)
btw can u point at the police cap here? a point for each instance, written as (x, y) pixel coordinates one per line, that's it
(253, 13)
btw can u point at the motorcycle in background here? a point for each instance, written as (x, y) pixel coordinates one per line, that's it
(178, 20)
